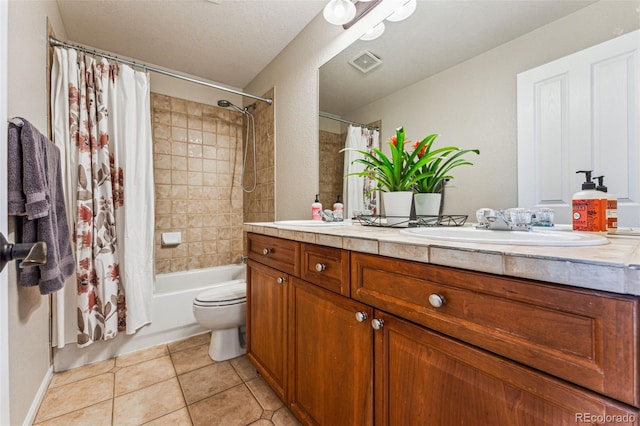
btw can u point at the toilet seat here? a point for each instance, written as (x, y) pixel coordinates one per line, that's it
(231, 293)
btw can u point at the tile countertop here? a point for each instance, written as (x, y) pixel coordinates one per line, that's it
(614, 267)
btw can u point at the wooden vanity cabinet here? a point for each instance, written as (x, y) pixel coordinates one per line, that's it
(331, 357)
(267, 324)
(425, 378)
(418, 344)
(327, 267)
(583, 336)
(272, 261)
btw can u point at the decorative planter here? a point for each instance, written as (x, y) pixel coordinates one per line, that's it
(427, 204)
(397, 207)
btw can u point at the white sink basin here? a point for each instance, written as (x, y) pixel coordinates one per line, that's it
(469, 234)
(309, 223)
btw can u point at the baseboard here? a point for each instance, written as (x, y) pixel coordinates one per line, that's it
(37, 400)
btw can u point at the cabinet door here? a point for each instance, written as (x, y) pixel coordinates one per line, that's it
(267, 324)
(331, 357)
(425, 378)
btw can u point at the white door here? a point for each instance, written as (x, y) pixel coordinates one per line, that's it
(581, 112)
(4, 281)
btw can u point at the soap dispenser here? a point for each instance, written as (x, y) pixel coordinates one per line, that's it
(338, 209)
(612, 206)
(316, 209)
(589, 207)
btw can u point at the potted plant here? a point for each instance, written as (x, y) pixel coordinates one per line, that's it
(395, 176)
(434, 173)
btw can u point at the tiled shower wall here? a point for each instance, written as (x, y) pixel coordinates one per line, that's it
(331, 167)
(197, 185)
(259, 206)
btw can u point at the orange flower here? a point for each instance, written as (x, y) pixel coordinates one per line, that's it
(394, 141)
(422, 151)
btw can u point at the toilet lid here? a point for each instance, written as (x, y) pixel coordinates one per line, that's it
(229, 292)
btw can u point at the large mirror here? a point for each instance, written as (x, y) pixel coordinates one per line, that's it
(451, 69)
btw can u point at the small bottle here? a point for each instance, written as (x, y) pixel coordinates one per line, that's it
(316, 209)
(589, 207)
(338, 209)
(612, 206)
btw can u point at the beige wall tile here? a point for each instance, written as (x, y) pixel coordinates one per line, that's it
(194, 122)
(179, 120)
(161, 102)
(179, 148)
(195, 151)
(178, 105)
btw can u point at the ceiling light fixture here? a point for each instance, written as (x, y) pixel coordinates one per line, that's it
(339, 12)
(403, 12)
(374, 32)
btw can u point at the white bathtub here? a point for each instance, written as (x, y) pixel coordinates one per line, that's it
(171, 317)
(174, 293)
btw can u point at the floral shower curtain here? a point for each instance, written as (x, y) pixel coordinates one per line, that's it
(101, 120)
(356, 189)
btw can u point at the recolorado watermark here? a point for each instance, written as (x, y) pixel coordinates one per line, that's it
(605, 418)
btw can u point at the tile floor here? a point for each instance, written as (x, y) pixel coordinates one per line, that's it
(174, 384)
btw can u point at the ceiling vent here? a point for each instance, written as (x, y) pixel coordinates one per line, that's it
(366, 61)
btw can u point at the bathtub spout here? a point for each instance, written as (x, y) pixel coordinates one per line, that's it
(243, 259)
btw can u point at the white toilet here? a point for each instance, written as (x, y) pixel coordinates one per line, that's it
(222, 309)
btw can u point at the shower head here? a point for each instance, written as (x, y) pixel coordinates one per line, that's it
(226, 104)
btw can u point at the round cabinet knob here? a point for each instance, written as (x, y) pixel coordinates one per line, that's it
(377, 324)
(436, 300)
(281, 280)
(361, 316)
(320, 267)
(266, 251)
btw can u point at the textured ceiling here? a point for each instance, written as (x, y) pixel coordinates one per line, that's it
(229, 43)
(439, 35)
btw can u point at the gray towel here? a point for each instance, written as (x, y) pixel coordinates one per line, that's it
(44, 215)
(14, 172)
(28, 195)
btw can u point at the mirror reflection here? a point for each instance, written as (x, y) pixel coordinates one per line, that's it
(451, 69)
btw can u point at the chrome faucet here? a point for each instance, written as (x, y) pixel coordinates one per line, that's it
(328, 216)
(500, 220)
(492, 219)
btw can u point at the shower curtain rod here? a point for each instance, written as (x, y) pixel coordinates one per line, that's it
(56, 42)
(342, 120)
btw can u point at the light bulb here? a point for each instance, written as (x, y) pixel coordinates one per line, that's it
(339, 12)
(403, 12)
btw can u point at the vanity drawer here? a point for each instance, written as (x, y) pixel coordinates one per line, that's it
(587, 337)
(326, 267)
(278, 253)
